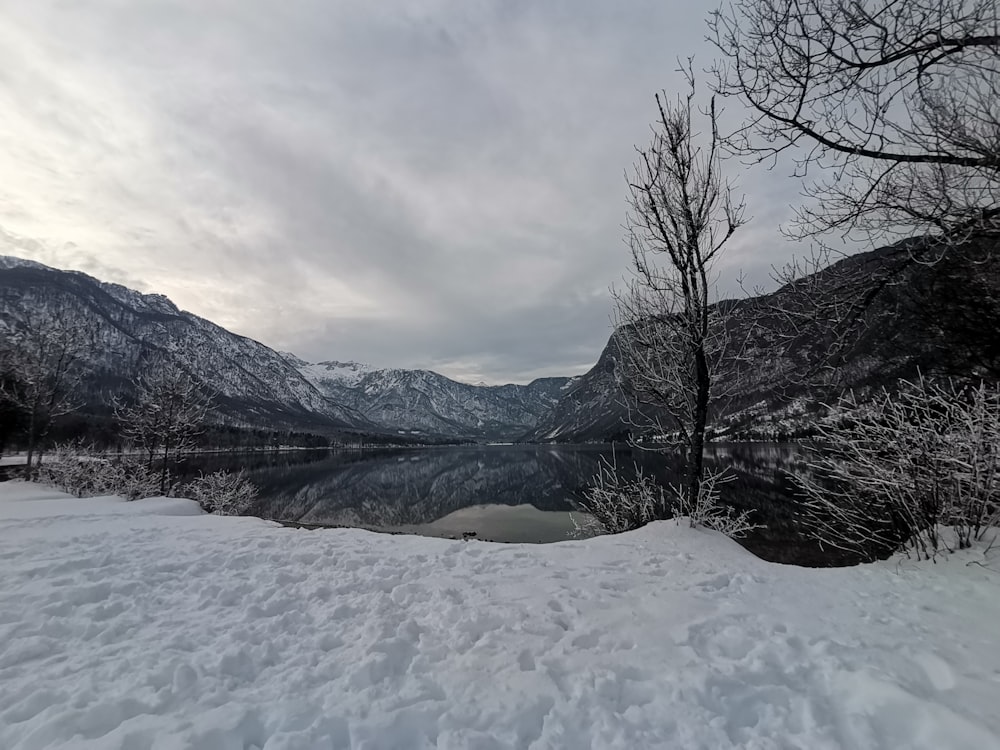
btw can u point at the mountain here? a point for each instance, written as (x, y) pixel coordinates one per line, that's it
(936, 318)
(425, 403)
(590, 408)
(251, 383)
(257, 386)
(939, 318)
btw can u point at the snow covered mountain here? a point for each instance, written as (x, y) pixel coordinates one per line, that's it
(590, 408)
(251, 383)
(255, 385)
(422, 402)
(939, 319)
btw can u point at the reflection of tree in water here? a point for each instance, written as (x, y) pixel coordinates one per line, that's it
(412, 487)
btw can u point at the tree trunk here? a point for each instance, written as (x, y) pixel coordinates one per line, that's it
(696, 443)
(32, 429)
(163, 469)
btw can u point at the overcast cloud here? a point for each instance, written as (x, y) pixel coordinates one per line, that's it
(436, 183)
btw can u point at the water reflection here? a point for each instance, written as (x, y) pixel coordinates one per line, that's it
(425, 490)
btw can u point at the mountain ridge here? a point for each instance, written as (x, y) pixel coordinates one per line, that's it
(424, 402)
(254, 384)
(925, 317)
(932, 319)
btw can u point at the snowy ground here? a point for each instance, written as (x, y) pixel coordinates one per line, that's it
(148, 625)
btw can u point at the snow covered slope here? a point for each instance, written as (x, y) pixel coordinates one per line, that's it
(589, 408)
(146, 625)
(424, 402)
(251, 382)
(346, 374)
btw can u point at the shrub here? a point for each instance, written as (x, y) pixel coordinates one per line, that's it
(136, 481)
(223, 493)
(892, 474)
(616, 504)
(708, 509)
(83, 472)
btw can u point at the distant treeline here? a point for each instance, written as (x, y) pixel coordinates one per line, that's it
(103, 433)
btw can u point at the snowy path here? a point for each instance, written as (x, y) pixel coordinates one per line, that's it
(147, 625)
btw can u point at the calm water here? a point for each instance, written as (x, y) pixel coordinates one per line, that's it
(502, 493)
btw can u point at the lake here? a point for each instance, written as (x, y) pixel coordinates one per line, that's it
(519, 493)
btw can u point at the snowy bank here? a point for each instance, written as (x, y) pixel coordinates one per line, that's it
(151, 625)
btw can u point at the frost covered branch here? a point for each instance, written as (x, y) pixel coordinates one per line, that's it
(83, 472)
(709, 511)
(40, 370)
(223, 493)
(617, 504)
(892, 474)
(166, 414)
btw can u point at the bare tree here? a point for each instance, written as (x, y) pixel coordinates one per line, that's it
(898, 101)
(11, 413)
(674, 339)
(166, 414)
(890, 110)
(43, 371)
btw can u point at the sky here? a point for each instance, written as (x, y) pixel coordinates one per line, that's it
(433, 184)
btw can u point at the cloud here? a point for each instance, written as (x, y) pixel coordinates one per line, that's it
(433, 183)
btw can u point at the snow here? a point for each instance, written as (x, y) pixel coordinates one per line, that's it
(347, 374)
(150, 625)
(511, 523)
(13, 261)
(571, 383)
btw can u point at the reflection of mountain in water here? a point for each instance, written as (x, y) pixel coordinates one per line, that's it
(413, 487)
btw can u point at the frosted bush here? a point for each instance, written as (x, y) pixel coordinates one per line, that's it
(223, 493)
(708, 509)
(616, 504)
(67, 470)
(136, 481)
(891, 475)
(83, 472)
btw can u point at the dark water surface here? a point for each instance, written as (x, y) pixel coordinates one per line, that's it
(520, 493)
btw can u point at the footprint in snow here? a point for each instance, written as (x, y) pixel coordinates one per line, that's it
(727, 637)
(526, 661)
(939, 674)
(717, 583)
